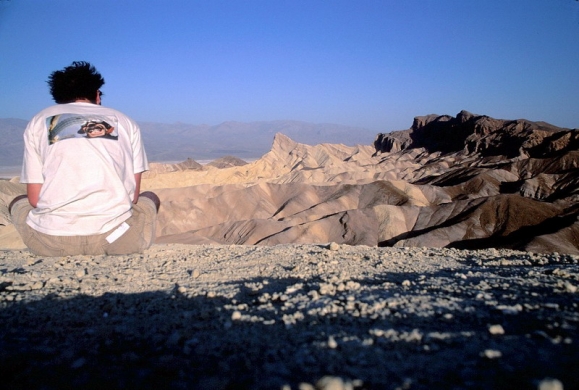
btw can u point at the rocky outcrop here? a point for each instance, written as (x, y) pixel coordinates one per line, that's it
(479, 134)
(157, 168)
(226, 162)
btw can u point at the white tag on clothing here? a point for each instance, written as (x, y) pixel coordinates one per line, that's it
(117, 232)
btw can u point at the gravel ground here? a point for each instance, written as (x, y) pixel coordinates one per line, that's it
(290, 317)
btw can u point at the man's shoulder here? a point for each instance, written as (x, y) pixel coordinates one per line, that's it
(85, 110)
(81, 107)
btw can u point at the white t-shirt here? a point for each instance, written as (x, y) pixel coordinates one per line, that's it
(85, 155)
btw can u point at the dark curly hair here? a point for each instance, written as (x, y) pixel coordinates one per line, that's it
(77, 81)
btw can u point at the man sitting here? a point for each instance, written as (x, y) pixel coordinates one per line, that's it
(82, 190)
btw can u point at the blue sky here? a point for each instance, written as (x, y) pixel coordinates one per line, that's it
(372, 64)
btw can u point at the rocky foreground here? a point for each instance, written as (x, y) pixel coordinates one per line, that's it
(290, 317)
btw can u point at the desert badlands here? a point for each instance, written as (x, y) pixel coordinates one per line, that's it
(445, 256)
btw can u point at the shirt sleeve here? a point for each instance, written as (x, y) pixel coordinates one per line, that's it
(140, 162)
(32, 161)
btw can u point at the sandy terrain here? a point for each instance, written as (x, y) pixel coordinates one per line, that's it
(290, 317)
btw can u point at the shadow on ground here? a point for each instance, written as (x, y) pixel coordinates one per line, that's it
(166, 340)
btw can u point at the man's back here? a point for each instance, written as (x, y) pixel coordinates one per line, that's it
(85, 156)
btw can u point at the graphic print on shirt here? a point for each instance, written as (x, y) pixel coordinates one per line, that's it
(67, 126)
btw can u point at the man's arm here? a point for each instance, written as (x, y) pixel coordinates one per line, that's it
(137, 187)
(33, 192)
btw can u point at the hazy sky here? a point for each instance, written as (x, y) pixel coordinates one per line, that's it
(373, 64)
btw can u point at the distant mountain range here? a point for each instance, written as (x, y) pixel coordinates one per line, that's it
(12, 143)
(179, 141)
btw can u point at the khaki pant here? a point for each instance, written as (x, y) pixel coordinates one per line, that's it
(136, 239)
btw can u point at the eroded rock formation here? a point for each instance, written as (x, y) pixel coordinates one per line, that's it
(468, 181)
(506, 184)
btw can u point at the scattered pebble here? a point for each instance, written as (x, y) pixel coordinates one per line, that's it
(570, 288)
(496, 329)
(492, 354)
(334, 246)
(332, 343)
(333, 383)
(550, 384)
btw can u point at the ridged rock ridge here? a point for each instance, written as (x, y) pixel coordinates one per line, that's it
(441, 194)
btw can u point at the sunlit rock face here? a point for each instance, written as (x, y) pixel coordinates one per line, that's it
(468, 181)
